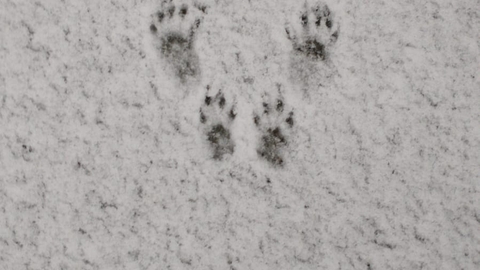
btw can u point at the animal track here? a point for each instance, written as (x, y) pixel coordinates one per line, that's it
(174, 29)
(274, 124)
(318, 31)
(218, 118)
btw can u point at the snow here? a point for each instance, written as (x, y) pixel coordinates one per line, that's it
(106, 164)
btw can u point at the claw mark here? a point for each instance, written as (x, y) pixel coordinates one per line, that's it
(183, 11)
(279, 105)
(265, 108)
(171, 10)
(289, 120)
(203, 118)
(256, 120)
(222, 101)
(232, 114)
(153, 28)
(304, 19)
(328, 23)
(208, 100)
(160, 16)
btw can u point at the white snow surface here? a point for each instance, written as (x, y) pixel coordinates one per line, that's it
(105, 164)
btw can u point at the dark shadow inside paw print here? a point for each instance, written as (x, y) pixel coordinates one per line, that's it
(273, 124)
(174, 44)
(312, 48)
(217, 120)
(219, 138)
(314, 38)
(174, 31)
(271, 142)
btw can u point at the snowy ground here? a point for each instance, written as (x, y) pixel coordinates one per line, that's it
(235, 146)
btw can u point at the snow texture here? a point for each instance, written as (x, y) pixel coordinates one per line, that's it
(240, 134)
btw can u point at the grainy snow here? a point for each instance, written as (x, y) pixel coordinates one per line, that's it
(238, 146)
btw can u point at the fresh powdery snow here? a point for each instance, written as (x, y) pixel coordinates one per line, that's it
(248, 134)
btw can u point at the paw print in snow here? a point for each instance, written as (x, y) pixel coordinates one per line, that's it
(317, 29)
(217, 118)
(274, 124)
(174, 28)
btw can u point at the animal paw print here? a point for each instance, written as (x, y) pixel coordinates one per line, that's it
(274, 124)
(174, 28)
(318, 31)
(217, 117)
